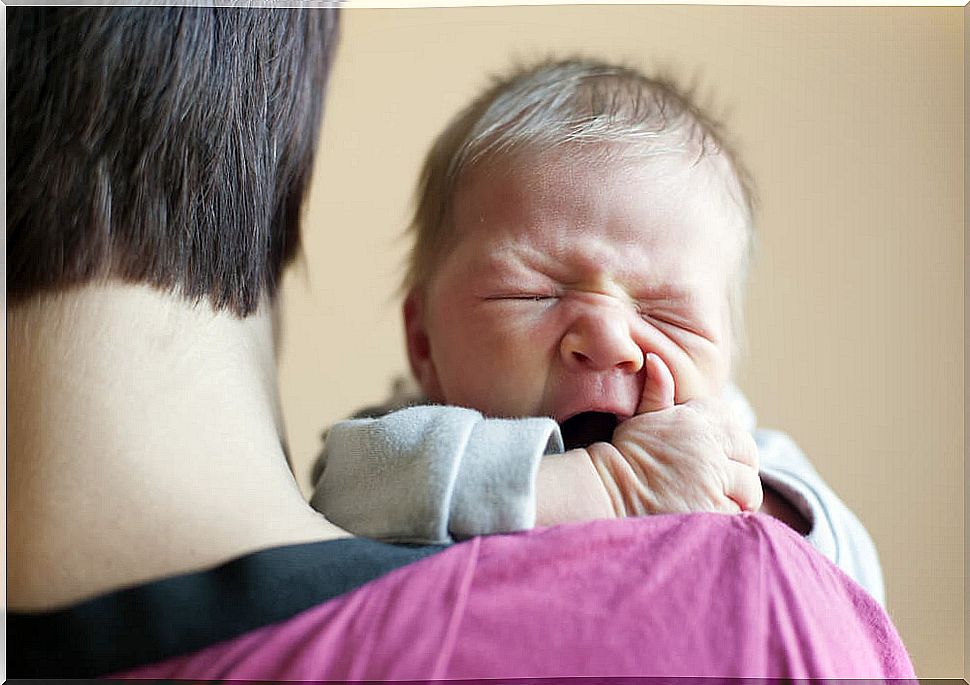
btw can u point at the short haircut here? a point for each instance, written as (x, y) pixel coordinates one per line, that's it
(576, 103)
(170, 146)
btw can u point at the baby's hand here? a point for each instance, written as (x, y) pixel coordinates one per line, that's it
(678, 458)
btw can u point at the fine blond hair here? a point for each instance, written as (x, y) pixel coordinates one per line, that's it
(579, 103)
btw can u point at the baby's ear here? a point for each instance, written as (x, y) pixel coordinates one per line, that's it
(419, 346)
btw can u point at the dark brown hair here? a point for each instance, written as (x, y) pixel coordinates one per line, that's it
(163, 145)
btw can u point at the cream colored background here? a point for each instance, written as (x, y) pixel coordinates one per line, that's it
(852, 121)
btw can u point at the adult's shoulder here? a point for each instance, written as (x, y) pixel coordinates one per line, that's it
(679, 595)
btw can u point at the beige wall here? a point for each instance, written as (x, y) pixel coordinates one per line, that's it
(852, 121)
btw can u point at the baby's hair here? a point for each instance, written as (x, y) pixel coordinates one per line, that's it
(577, 103)
(170, 146)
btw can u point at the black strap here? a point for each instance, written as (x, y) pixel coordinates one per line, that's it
(180, 615)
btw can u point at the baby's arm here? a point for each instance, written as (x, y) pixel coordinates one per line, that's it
(568, 490)
(430, 473)
(408, 477)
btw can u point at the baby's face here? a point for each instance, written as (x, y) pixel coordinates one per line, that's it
(567, 272)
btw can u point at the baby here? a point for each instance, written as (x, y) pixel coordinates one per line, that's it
(572, 315)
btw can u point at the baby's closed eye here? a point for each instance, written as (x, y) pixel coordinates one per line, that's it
(527, 297)
(670, 321)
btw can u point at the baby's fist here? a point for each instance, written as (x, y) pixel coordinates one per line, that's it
(690, 457)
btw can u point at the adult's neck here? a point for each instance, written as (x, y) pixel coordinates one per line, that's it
(144, 439)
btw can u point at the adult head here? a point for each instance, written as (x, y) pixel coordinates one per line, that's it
(157, 161)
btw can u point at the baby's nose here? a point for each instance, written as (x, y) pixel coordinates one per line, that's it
(601, 340)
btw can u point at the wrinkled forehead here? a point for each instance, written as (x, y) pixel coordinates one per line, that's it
(673, 177)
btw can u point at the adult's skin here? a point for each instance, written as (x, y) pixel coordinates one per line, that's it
(144, 440)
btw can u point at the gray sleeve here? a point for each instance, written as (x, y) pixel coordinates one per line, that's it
(429, 474)
(836, 532)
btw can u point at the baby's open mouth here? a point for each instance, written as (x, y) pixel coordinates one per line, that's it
(586, 428)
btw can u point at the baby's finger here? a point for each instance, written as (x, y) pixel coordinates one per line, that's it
(658, 388)
(743, 449)
(744, 486)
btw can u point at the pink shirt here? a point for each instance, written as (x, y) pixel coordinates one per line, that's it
(679, 595)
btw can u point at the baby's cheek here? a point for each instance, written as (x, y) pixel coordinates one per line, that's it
(699, 378)
(518, 369)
